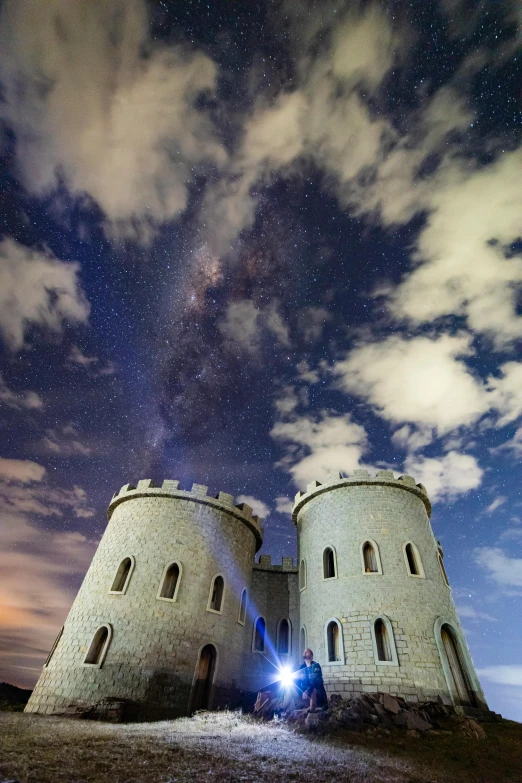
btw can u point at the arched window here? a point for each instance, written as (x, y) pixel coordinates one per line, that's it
(170, 582)
(413, 560)
(302, 574)
(283, 636)
(383, 641)
(258, 642)
(242, 607)
(329, 563)
(53, 648)
(370, 558)
(123, 575)
(99, 646)
(303, 639)
(334, 641)
(442, 569)
(215, 598)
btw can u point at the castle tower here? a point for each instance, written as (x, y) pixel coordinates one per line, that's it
(375, 604)
(160, 620)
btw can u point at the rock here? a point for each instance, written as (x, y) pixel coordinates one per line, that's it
(312, 721)
(335, 699)
(390, 704)
(415, 722)
(412, 733)
(470, 728)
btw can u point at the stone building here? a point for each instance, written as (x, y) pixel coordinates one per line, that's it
(175, 615)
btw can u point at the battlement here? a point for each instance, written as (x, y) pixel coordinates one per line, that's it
(198, 494)
(265, 564)
(359, 477)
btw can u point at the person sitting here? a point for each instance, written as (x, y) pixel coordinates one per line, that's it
(309, 680)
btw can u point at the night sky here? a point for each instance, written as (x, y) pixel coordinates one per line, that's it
(245, 243)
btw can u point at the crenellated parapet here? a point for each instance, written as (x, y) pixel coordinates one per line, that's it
(265, 564)
(357, 478)
(223, 501)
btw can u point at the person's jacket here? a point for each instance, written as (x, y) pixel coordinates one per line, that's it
(310, 677)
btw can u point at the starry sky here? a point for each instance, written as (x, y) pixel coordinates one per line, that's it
(247, 243)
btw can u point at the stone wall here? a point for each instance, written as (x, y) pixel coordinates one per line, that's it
(152, 656)
(343, 514)
(274, 596)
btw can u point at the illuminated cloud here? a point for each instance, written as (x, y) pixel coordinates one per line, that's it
(95, 103)
(37, 290)
(316, 445)
(502, 569)
(445, 477)
(510, 674)
(244, 322)
(259, 508)
(421, 380)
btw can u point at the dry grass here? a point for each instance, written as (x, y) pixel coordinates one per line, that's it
(213, 747)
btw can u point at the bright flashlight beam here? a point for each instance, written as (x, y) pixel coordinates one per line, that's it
(286, 676)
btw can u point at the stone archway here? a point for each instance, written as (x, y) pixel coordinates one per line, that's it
(204, 677)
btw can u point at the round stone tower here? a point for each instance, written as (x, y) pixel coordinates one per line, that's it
(158, 625)
(375, 604)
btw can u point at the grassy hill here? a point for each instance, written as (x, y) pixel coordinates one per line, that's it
(226, 747)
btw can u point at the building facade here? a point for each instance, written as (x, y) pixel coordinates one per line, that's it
(175, 615)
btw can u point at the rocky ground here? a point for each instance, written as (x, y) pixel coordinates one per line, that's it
(343, 745)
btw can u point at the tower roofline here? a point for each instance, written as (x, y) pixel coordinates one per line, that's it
(384, 478)
(198, 494)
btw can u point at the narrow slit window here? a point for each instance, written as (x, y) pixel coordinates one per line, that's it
(170, 582)
(329, 563)
(122, 575)
(383, 642)
(411, 557)
(370, 558)
(302, 639)
(333, 638)
(216, 595)
(242, 607)
(283, 637)
(99, 642)
(302, 575)
(259, 635)
(53, 648)
(443, 570)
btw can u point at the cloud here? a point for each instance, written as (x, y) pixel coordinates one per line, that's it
(76, 356)
(311, 323)
(421, 380)
(513, 445)
(316, 445)
(499, 501)
(447, 477)
(65, 441)
(28, 400)
(323, 120)
(284, 505)
(37, 289)
(96, 103)
(23, 491)
(506, 571)
(41, 570)
(504, 675)
(505, 392)
(473, 614)
(244, 323)
(258, 507)
(412, 439)
(462, 255)
(21, 470)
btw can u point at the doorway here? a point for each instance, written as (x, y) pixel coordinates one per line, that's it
(459, 674)
(205, 668)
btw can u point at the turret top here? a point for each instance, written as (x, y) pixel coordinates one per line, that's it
(170, 489)
(359, 477)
